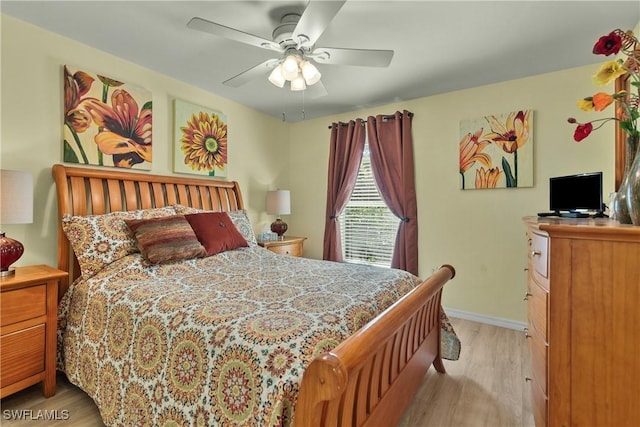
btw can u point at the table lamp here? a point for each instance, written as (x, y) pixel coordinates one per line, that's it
(279, 203)
(16, 207)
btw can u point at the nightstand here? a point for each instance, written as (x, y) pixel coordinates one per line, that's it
(28, 323)
(288, 245)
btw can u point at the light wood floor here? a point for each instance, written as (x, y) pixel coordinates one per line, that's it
(485, 387)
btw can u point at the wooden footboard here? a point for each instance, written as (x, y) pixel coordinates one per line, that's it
(370, 379)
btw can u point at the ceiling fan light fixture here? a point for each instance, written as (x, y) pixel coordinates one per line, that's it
(310, 73)
(298, 83)
(276, 76)
(290, 67)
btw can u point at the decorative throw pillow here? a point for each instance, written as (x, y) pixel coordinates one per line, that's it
(239, 218)
(216, 232)
(99, 240)
(165, 239)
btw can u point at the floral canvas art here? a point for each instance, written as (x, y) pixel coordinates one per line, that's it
(496, 151)
(106, 122)
(200, 136)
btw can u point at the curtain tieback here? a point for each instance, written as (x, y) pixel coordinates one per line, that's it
(333, 217)
(405, 219)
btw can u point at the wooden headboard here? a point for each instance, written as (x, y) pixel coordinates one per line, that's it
(86, 191)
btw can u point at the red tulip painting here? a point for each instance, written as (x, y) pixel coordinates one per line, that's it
(200, 138)
(106, 122)
(496, 151)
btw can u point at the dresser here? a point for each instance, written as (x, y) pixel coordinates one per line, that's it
(583, 332)
(28, 315)
(288, 245)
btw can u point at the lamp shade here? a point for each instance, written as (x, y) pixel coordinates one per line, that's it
(276, 76)
(290, 67)
(298, 83)
(310, 73)
(278, 202)
(16, 197)
(16, 207)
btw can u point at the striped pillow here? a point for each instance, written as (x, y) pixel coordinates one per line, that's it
(165, 239)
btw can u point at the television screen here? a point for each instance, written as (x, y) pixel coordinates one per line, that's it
(581, 192)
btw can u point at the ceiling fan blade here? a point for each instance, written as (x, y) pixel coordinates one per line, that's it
(315, 19)
(231, 33)
(361, 57)
(317, 90)
(252, 73)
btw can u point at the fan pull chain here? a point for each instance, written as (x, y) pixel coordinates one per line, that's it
(303, 104)
(284, 116)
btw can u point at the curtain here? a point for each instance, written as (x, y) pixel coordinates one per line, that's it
(345, 155)
(391, 146)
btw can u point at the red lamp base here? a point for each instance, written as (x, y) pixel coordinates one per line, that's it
(279, 227)
(10, 251)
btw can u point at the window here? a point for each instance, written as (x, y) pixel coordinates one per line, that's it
(368, 229)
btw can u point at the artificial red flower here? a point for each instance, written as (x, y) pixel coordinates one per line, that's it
(626, 103)
(608, 45)
(582, 131)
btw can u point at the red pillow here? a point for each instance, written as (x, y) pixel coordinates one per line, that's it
(216, 232)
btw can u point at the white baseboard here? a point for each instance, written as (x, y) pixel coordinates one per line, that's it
(489, 320)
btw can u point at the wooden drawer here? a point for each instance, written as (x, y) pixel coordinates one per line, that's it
(537, 308)
(287, 246)
(540, 404)
(538, 351)
(22, 354)
(539, 258)
(23, 304)
(293, 249)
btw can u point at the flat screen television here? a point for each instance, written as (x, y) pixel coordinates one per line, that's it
(574, 195)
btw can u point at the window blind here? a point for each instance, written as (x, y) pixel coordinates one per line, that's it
(368, 228)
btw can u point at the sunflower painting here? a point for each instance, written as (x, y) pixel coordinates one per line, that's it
(106, 122)
(496, 151)
(201, 140)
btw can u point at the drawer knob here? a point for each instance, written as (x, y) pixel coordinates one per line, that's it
(536, 253)
(526, 296)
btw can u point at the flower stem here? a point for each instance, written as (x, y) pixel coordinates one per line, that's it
(105, 93)
(78, 143)
(515, 168)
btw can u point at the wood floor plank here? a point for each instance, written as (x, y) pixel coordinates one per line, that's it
(485, 387)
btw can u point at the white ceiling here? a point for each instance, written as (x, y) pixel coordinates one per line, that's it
(440, 46)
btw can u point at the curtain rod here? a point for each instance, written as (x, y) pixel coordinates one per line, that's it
(388, 117)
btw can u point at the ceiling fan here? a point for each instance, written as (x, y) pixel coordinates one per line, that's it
(294, 40)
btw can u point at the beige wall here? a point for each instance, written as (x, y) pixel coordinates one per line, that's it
(479, 231)
(32, 115)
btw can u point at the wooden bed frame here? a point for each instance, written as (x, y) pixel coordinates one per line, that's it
(367, 380)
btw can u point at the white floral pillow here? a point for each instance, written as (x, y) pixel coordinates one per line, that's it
(238, 217)
(99, 240)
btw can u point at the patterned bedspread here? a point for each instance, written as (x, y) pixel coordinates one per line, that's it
(221, 340)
